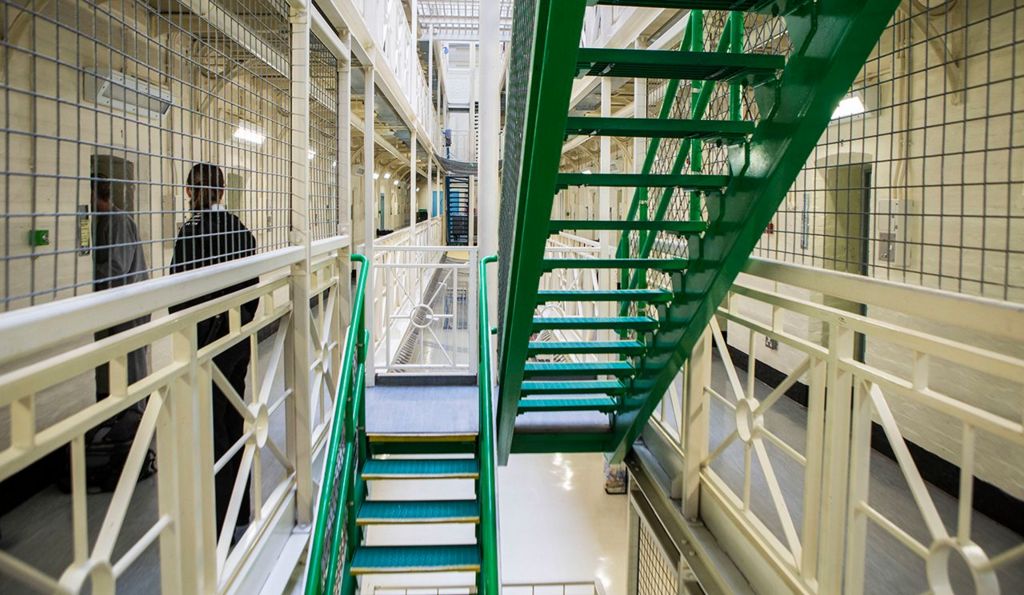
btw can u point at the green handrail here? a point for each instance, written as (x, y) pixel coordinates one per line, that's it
(487, 581)
(347, 410)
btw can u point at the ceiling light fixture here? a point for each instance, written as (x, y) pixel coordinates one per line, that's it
(249, 135)
(851, 106)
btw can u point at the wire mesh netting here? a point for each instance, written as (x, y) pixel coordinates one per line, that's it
(324, 207)
(107, 107)
(918, 178)
(521, 52)
(655, 573)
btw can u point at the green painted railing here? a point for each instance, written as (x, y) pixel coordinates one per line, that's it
(487, 580)
(341, 488)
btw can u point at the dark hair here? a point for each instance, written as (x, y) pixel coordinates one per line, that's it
(206, 181)
(101, 186)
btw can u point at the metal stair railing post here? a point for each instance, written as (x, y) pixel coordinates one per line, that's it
(487, 581)
(347, 409)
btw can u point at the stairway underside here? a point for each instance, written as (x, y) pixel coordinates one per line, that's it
(746, 110)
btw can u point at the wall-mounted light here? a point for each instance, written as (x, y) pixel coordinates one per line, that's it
(587, 172)
(396, 182)
(249, 135)
(387, 175)
(417, 189)
(376, 175)
(851, 106)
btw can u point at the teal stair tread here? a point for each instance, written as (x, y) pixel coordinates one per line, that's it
(415, 558)
(586, 322)
(535, 405)
(696, 182)
(671, 64)
(541, 369)
(610, 295)
(660, 264)
(581, 347)
(724, 130)
(382, 512)
(419, 468)
(585, 387)
(557, 225)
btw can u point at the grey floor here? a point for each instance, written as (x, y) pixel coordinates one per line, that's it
(39, 530)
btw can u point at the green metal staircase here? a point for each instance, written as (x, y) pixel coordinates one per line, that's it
(348, 509)
(749, 92)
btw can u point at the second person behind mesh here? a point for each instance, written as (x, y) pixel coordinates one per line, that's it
(213, 235)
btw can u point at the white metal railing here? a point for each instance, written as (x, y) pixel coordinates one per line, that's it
(801, 501)
(424, 314)
(391, 32)
(276, 455)
(566, 245)
(425, 233)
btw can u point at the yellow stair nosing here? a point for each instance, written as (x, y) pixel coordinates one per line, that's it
(424, 437)
(415, 569)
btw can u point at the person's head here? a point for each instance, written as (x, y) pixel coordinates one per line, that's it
(100, 193)
(204, 186)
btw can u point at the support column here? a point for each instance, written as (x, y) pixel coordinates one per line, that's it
(604, 201)
(696, 407)
(369, 213)
(490, 132)
(343, 170)
(430, 186)
(412, 186)
(298, 412)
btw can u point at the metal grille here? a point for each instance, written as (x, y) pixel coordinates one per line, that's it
(324, 215)
(118, 100)
(918, 178)
(515, 120)
(655, 573)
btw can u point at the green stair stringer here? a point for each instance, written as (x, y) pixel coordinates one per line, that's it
(831, 39)
(833, 42)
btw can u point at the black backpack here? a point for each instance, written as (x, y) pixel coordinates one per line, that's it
(106, 452)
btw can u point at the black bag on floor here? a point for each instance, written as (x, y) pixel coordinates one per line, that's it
(106, 452)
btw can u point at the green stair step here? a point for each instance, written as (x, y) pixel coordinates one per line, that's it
(548, 369)
(656, 296)
(658, 264)
(680, 227)
(693, 182)
(670, 64)
(585, 387)
(636, 323)
(420, 469)
(398, 512)
(602, 404)
(585, 347)
(715, 130)
(415, 558)
(422, 443)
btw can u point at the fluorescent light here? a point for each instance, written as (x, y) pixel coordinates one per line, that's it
(396, 182)
(312, 154)
(376, 175)
(851, 106)
(587, 172)
(387, 175)
(249, 135)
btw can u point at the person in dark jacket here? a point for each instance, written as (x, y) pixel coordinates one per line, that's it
(213, 235)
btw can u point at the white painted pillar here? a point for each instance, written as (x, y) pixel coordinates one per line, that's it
(298, 415)
(430, 185)
(412, 187)
(369, 212)
(604, 201)
(491, 76)
(343, 171)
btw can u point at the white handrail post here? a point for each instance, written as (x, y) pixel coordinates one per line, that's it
(298, 410)
(369, 213)
(697, 423)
